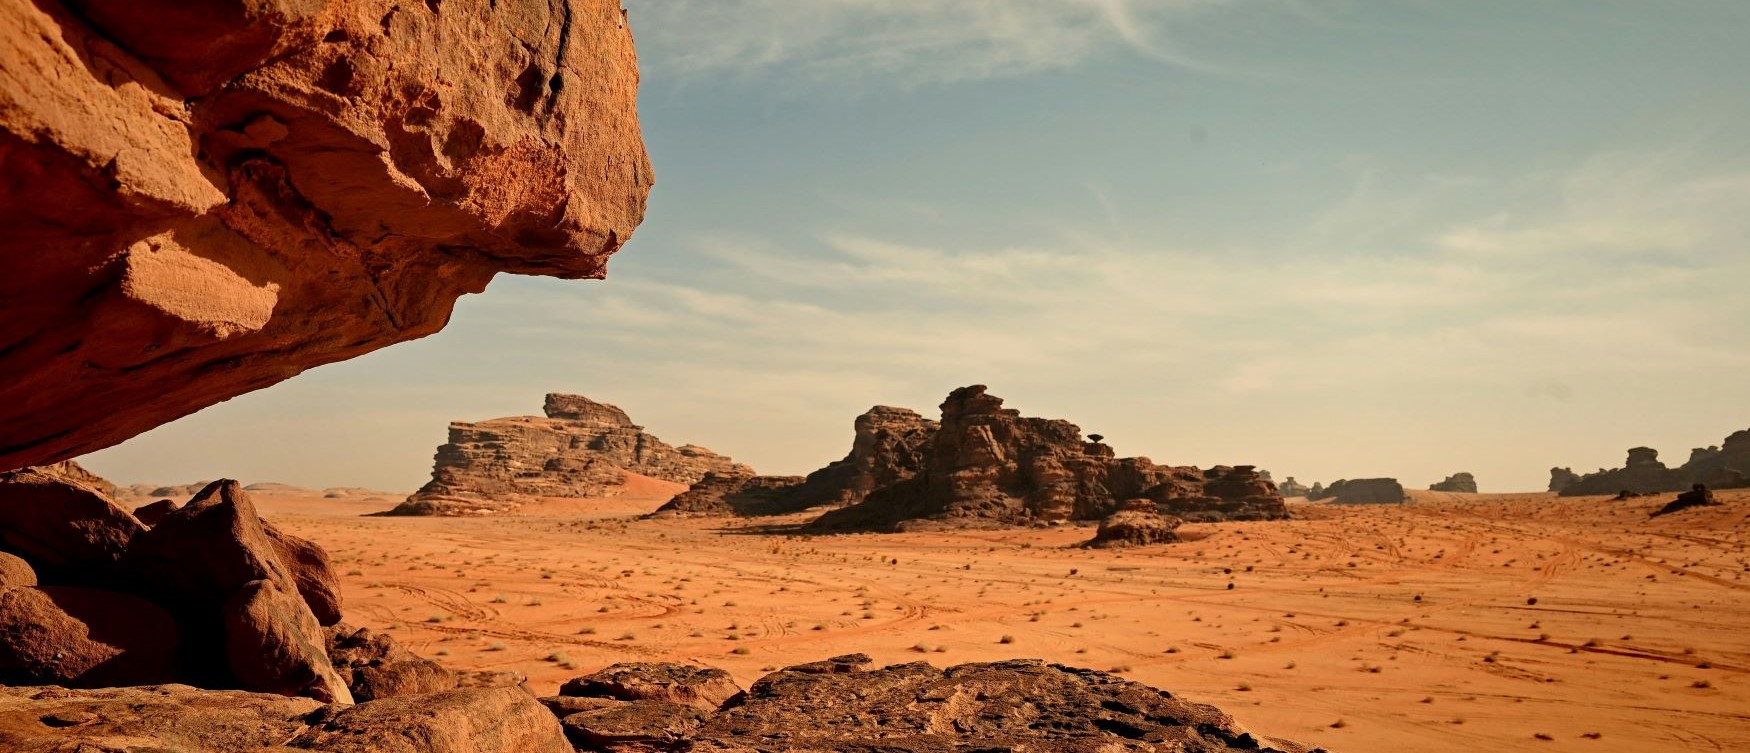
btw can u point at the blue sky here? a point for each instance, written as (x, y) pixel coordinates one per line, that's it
(1336, 239)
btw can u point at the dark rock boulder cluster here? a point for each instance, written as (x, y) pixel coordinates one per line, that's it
(1462, 482)
(981, 466)
(1697, 496)
(841, 704)
(1726, 466)
(1362, 491)
(1138, 523)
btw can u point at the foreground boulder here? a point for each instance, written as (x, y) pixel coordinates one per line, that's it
(988, 466)
(208, 199)
(1136, 525)
(67, 528)
(374, 666)
(189, 720)
(83, 637)
(703, 688)
(1019, 705)
(274, 645)
(316, 581)
(580, 449)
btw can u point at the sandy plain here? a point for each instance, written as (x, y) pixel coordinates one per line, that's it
(1453, 623)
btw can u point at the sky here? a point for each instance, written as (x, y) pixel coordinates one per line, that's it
(1334, 239)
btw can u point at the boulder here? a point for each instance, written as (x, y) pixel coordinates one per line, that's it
(198, 556)
(1136, 525)
(374, 666)
(466, 720)
(141, 719)
(315, 579)
(1461, 482)
(206, 199)
(1697, 496)
(153, 513)
(632, 727)
(15, 571)
(68, 530)
(83, 637)
(1019, 705)
(273, 645)
(703, 688)
(580, 449)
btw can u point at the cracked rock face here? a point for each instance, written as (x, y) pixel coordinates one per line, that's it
(203, 199)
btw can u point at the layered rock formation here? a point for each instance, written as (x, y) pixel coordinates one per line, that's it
(887, 447)
(1723, 467)
(1462, 482)
(1363, 491)
(988, 466)
(1138, 523)
(202, 200)
(841, 704)
(581, 449)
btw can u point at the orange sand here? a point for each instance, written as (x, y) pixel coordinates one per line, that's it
(1640, 633)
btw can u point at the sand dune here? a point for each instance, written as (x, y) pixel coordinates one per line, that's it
(1455, 623)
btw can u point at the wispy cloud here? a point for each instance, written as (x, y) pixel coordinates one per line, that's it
(908, 41)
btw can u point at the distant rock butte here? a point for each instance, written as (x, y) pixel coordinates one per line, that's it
(1725, 466)
(204, 199)
(1461, 482)
(580, 449)
(1292, 488)
(1363, 491)
(982, 466)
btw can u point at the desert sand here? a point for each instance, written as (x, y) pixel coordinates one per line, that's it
(1454, 623)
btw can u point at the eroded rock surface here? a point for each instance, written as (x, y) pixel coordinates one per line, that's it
(1025, 706)
(581, 448)
(989, 466)
(1363, 491)
(1461, 482)
(703, 688)
(205, 199)
(1138, 524)
(1724, 466)
(68, 529)
(1698, 496)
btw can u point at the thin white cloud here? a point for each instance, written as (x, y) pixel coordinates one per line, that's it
(908, 42)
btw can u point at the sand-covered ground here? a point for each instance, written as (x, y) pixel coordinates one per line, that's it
(1455, 623)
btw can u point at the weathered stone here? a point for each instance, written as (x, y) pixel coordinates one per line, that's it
(1365, 491)
(374, 666)
(273, 645)
(704, 688)
(1562, 478)
(15, 571)
(83, 637)
(314, 577)
(988, 466)
(66, 529)
(1292, 488)
(468, 720)
(1697, 496)
(582, 449)
(1138, 524)
(632, 726)
(1721, 467)
(205, 199)
(1461, 482)
(153, 513)
(141, 719)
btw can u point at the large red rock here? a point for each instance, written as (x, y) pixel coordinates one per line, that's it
(63, 526)
(315, 578)
(273, 645)
(374, 666)
(703, 688)
(468, 720)
(15, 571)
(580, 449)
(203, 199)
(83, 637)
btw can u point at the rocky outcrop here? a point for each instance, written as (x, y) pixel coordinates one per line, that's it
(988, 466)
(1462, 482)
(1139, 523)
(1292, 488)
(887, 447)
(1698, 496)
(83, 637)
(1562, 478)
(191, 720)
(203, 200)
(580, 449)
(69, 530)
(374, 666)
(701, 688)
(841, 704)
(1365, 491)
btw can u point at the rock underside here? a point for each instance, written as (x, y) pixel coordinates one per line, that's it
(204, 199)
(981, 466)
(1726, 466)
(580, 449)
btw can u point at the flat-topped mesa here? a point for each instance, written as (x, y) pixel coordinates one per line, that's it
(208, 198)
(1364, 491)
(1720, 467)
(581, 449)
(988, 466)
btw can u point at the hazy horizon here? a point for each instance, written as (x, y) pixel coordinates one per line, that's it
(1350, 240)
